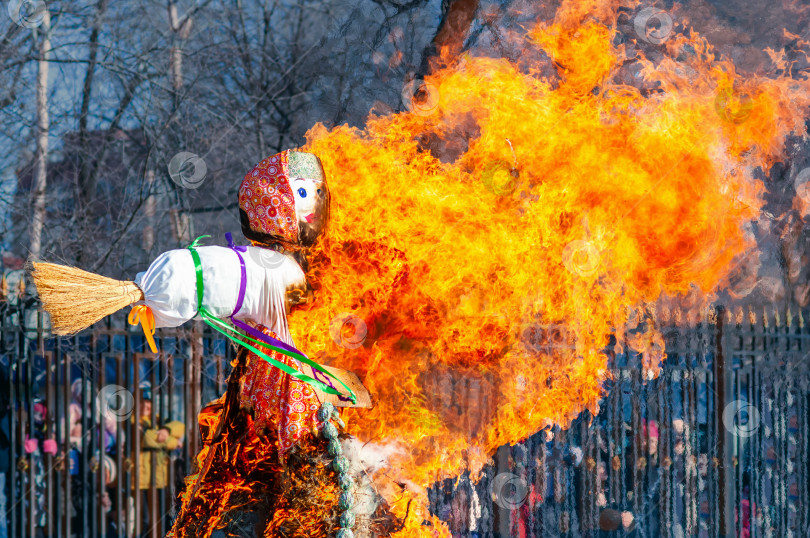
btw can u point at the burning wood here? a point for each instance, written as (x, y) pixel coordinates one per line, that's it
(622, 198)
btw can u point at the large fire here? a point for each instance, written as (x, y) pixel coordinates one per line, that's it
(492, 238)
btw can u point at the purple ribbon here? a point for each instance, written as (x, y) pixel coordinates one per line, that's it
(243, 282)
(316, 374)
(251, 331)
(255, 333)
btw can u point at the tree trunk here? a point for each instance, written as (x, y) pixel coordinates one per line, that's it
(41, 158)
(179, 26)
(176, 52)
(181, 226)
(86, 181)
(457, 17)
(148, 238)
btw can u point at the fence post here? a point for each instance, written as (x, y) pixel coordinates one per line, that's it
(500, 513)
(195, 384)
(724, 441)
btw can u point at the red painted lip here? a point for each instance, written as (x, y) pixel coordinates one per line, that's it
(310, 217)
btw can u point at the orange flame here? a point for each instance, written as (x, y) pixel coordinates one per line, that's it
(490, 239)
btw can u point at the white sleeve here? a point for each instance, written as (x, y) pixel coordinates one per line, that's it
(169, 288)
(170, 284)
(269, 274)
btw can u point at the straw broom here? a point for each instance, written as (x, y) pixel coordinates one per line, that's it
(76, 299)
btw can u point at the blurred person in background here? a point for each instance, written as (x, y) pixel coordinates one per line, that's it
(91, 415)
(37, 444)
(156, 442)
(77, 411)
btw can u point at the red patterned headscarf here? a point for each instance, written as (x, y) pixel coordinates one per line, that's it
(266, 195)
(267, 198)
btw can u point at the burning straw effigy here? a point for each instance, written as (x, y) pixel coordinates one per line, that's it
(514, 200)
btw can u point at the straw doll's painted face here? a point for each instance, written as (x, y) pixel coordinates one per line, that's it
(284, 201)
(311, 207)
(308, 183)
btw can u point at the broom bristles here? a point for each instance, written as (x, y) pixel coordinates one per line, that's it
(76, 299)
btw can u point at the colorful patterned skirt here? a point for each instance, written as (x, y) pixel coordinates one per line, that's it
(262, 463)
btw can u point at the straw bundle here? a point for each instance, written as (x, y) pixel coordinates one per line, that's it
(76, 299)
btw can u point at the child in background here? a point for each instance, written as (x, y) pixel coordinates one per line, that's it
(156, 442)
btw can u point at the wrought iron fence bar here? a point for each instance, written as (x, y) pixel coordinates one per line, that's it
(101, 479)
(136, 443)
(50, 478)
(669, 489)
(740, 458)
(804, 448)
(83, 469)
(758, 503)
(120, 502)
(131, 380)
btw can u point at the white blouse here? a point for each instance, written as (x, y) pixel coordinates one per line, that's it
(169, 286)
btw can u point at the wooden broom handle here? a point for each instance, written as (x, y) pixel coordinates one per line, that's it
(132, 291)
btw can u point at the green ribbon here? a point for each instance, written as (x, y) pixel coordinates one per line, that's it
(222, 327)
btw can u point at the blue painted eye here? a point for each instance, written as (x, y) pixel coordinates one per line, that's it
(319, 191)
(302, 192)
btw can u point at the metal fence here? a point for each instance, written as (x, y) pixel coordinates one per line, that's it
(72, 468)
(716, 445)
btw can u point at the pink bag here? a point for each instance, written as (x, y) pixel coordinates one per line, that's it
(49, 447)
(30, 445)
